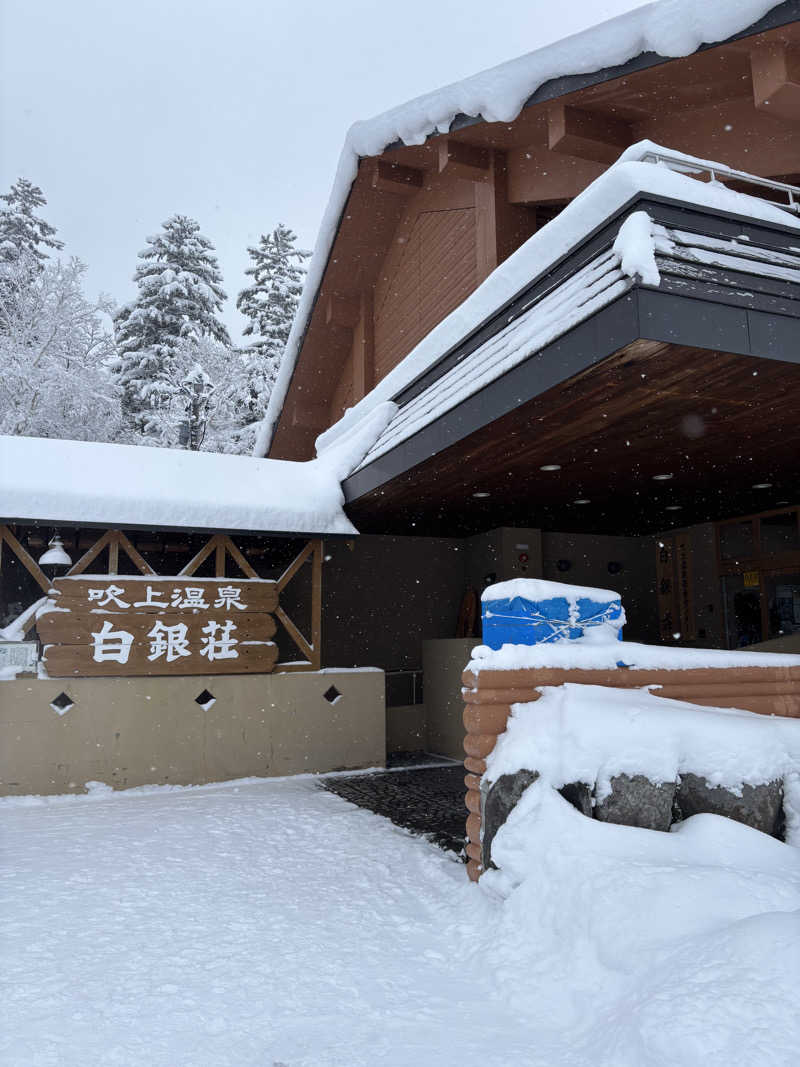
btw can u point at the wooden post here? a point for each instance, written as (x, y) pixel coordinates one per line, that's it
(25, 558)
(113, 555)
(316, 605)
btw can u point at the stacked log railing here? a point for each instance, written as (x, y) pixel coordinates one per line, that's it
(489, 695)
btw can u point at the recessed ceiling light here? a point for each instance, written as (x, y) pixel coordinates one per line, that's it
(763, 485)
(673, 507)
(480, 496)
(551, 467)
(581, 500)
(662, 477)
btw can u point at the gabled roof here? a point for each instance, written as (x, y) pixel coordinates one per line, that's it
(661, 30)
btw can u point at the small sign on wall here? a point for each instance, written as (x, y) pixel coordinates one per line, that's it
(119, 625)
(22, 655)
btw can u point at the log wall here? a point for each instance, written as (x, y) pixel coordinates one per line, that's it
(488, 697)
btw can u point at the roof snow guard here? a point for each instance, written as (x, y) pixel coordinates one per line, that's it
(644, 36)
(642, 226)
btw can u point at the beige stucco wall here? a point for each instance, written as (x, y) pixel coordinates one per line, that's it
(443, 663)
(140, 731)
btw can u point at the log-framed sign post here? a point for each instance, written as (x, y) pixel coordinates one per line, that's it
(151, 624)
(147, 625)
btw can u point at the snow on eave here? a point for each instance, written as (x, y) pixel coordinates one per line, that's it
(84, 482)
(619, 186)
(668, 28)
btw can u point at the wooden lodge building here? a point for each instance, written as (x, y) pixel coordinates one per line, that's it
(559, 413)
(557, 309)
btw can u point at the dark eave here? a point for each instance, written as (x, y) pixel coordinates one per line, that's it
(710, 308)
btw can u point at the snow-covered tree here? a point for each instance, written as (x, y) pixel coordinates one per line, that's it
(180, 296)
(197, 409)
(23, 234)
(55, 351)
(269, 305)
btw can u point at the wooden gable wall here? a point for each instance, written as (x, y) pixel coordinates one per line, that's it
(426, 224)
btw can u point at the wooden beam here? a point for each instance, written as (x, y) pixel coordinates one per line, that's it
(396, 179)
(295, 566)
(133, 555)
(219, 561)
(296, 636)
(364, 347)
(113, 553)
(25, 558)
(92, 554)
(316, 606)
(467, 161)
(201, 556)
(236, 555)
(341, 312)
(586, 134)
(775, 70)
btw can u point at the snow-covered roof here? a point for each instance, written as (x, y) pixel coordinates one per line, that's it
(593, 286)
(54, 481)
(668, 28)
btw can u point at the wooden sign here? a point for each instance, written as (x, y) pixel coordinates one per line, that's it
(112, 625)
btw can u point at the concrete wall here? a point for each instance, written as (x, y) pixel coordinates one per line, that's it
(590, 555)
(706, 585)
(383, 596)
(140, 731)
(443, 663)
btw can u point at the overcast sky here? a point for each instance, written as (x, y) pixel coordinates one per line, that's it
(233, 111)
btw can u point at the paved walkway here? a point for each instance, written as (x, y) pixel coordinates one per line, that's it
(427, 799)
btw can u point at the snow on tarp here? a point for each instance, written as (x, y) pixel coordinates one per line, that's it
(50, 480)
(669, 28)
(531, 611)
(598, 649)
(634, 248)
(591, 733)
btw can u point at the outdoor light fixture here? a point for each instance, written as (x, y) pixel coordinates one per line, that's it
(673, 507)
(662, 477)
(581, 500)
(551, 467)
(480, 496)
(763, 485)
(55, 560)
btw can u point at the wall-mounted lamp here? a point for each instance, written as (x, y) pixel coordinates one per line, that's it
(55, 560)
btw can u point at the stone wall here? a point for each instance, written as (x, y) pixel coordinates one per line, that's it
(488, 697)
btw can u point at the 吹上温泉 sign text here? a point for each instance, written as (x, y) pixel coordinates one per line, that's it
(113, 625)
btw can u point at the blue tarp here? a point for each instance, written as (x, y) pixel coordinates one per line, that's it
(519, 621)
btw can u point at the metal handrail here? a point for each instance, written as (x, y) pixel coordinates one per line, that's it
(687, 165)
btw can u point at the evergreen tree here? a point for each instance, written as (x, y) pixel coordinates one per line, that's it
(180, 295)
(269, 304)
(23, 235)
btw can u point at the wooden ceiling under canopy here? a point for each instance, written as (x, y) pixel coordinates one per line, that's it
(718, 424)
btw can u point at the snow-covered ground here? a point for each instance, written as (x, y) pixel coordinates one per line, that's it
(271, 923)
